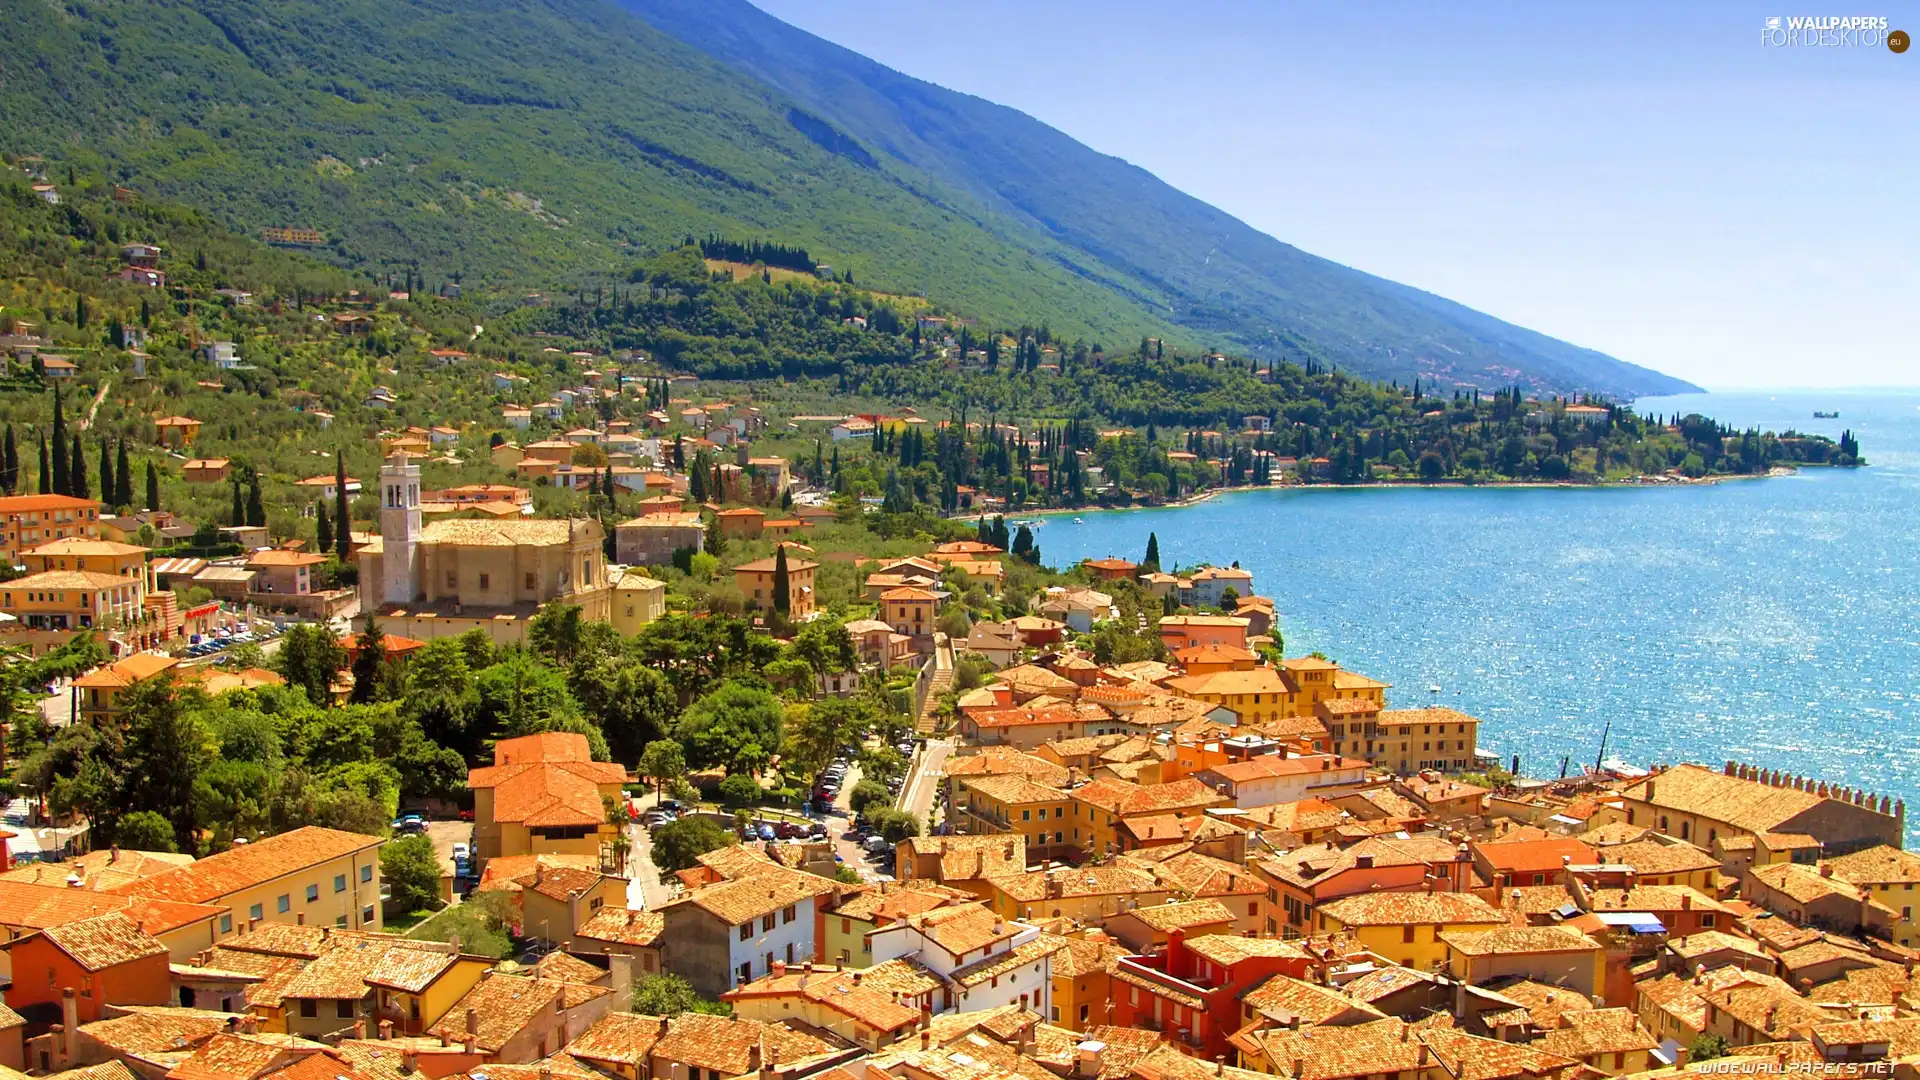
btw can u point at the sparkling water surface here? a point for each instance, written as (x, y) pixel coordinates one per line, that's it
(1774, 621)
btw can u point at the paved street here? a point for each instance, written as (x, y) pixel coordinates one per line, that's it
(916, 797)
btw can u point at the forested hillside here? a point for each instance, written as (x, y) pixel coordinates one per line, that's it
(534, 145)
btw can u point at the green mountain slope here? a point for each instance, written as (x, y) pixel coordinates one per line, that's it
(509, 141)
(1124, 225)
(536, 144)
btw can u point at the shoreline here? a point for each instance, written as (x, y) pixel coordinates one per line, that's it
(1387, 485)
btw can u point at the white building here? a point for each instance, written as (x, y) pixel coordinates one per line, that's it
(1272, 779)
(1210, 583)
(984, 960)
(399, 529)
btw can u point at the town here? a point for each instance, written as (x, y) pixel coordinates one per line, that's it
(393, 694)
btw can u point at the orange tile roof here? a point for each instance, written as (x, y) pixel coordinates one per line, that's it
(735, 902)
(1410, 908)
(27, 504)
(252, 864)
(104, 941)
(731, 1045)
(623, 926)
(504, 1005)
(1534, 856)
(1124, 799)
(281, 557)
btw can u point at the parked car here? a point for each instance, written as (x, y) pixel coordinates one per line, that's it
(465, 815)
(410, 824)
(461, 851)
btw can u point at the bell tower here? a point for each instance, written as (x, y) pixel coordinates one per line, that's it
(399, 529)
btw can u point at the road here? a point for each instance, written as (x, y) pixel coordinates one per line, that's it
(923, 780)
(644, 889)
(444, 835)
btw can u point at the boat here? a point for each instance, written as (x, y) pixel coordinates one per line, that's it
(1621, 770)
(1078, 521)
(1819, 414)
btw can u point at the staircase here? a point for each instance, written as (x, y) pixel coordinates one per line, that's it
(934, 680)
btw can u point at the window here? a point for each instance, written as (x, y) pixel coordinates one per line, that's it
(339, 883)
(309, 1007)
(284, 904)
(366, 872)
(366, 915)
(255, 913)
(787, 915)
(766, 923)
(746, 931)
(485, 582)
(453, 579)
(530, 581)
(1707, 919)
(226, 924)
(313, 893)
(1406, 934)
(343, 1009)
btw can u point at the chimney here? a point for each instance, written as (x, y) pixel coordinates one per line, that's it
(926, 1038)
(69, 1021)
(779, 968)
(409, 1061)
(468, 1044)
(359, 1029)
(386, 1029)
(473, 1021)
(1299, 1066)
(1826, 869)
(249, 1025)
(113, 854)
(538, 873)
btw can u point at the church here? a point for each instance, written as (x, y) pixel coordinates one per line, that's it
(453, 576)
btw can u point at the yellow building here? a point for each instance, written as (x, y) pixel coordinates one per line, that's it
(1609, 1041)
(311, 876)
(557, 895)
(30, 520)
(1891, 877)
(1553, 955)
(1407, 741)
(1010, 803)
(415, 988)
(75, 600)
(97, 693)
(637, 601)
(177, 431)
(870, 1009)
(1102, 805)
(1778, 816)
(81, 553)
(909, 610)
(1405, 927)
(1259, 694)
(1088, 894)
(451, 576)
(1082, 982)
(543, 794)
(755, 581)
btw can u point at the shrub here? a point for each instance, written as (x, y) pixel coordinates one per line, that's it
(739, 790)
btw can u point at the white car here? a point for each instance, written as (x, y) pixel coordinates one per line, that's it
(461, 851)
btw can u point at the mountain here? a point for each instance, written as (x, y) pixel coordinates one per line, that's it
(1126, 227)
(546, 145)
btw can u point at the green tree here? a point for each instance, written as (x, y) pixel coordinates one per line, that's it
(679, 844)
(77, 471)
(153, 486)
(122, 477)
(1706, 1048)
(256, 510)
(868, 793)
(410, 866)
(737, 726)
(666, 994)
(342, 515)
(440, 696)
(47, 475)
(739, 791)
(894, 826)
(633, 703)
(166, 747)
(145, 830)
(10, 464)
(106, 473)
(554, 631)
(322, 527)
(369, 663)
(62, 483)
(309, 657)
(1151, 562)
(661, 761)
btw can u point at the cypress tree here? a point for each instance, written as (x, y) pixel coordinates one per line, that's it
(123, 477)
(256, 510)
(77, 474)
(238, 516)
(342, 515)
(106, 473)
(153, 487)
(323, 527)
(368, 663)
(782, 594)
(10, 463)
(61, 486)
(1152, 560)
(46, 469)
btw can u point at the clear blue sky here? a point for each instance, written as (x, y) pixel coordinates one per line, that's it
(1643, 179)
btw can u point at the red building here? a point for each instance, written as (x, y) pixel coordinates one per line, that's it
(106, 959)
(1192, 990)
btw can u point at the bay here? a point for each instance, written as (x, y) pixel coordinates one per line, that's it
(1772, 621)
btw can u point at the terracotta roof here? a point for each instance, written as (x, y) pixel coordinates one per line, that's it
(279, 557)
(240, 1057)
(531, 532)
(735, 902)
(1404, 908)
(1284, 996)
(252, 864)
(1650, 856)
(1199, 875)
(408, 970)
(548, 780)
(1012, 789)
(844, 992)
(1744, 804)
(145, 1030)
(623, 926)
(1533, 856)
(1123, 799)
(104, 941)
(1878, 865)
(992, 967)
(1185, 916)
(1005, 761)
(79, 580)
(504, 1005)
(26, 504)
(1470, 1057)
(1597, 1031)
(1273, 765)
(1518, 941)
(732, 1045)
(566, 968)
(619, 1038)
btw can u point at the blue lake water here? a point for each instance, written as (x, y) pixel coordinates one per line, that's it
(1775, 621)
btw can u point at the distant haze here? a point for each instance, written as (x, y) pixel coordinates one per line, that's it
(1646, 180)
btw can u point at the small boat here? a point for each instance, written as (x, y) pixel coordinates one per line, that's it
(1078, 521)
(1822, 415)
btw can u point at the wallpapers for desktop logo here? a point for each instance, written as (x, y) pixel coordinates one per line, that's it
(1832, 32)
